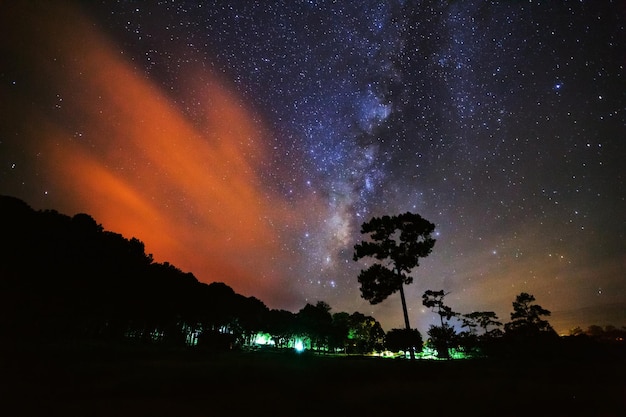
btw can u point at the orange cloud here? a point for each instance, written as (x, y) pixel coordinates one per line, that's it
(121, 150)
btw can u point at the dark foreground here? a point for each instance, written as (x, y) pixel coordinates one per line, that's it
(140, 382)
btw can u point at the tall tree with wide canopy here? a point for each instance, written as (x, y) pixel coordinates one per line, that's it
(398, 242)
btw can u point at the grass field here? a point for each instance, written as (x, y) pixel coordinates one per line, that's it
(142, 382)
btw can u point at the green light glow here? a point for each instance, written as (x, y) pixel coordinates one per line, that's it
(263, 339)
(430, 353)
(299, 345)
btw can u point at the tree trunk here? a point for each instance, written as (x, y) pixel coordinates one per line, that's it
(406, 316)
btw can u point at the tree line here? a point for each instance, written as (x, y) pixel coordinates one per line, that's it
(65, 279)
(394, 246)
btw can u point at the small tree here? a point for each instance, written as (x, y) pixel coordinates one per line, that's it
(528, 333)
(366, 334)
(482, 319)
(441, 336)
(526, 318)
(398, 242)
(470, 340)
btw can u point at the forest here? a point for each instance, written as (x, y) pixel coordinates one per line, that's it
(67, 280)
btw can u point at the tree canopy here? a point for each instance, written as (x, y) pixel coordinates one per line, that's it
(403, 340)
(399, 242)
(527, 317)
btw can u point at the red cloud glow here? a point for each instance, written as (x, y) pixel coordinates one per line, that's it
(119, 149)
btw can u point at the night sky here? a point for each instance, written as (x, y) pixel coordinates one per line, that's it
(246, 141)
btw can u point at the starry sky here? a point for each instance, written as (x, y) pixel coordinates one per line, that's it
(247, 141)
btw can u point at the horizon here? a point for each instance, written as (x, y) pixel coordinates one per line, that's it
(590, 311)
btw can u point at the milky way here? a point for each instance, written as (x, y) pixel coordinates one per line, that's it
(294, 122)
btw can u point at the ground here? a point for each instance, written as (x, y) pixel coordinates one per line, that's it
(145, 382)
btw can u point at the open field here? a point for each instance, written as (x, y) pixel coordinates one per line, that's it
(152, 383)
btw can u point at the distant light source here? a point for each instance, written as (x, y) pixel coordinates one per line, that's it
(263, 339)
(298, 346)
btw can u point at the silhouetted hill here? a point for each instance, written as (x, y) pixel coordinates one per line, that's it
(65, 277)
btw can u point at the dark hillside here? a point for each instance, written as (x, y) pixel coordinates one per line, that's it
(65, 278)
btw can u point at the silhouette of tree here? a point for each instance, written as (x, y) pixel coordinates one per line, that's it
(441, 336)
(469, 323)
(613, 334)
(526, 318)
(366, 334)
(315, 322)
(340, 331)
(407, 340)
(281, 325)
(470, 341)
(528, 333)
(356, 333)
(434, 301)
(576, 331)
(482, 319)
(609, 333)
(85, 225)
(399, 242)
(250, 318)
(595, 331)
